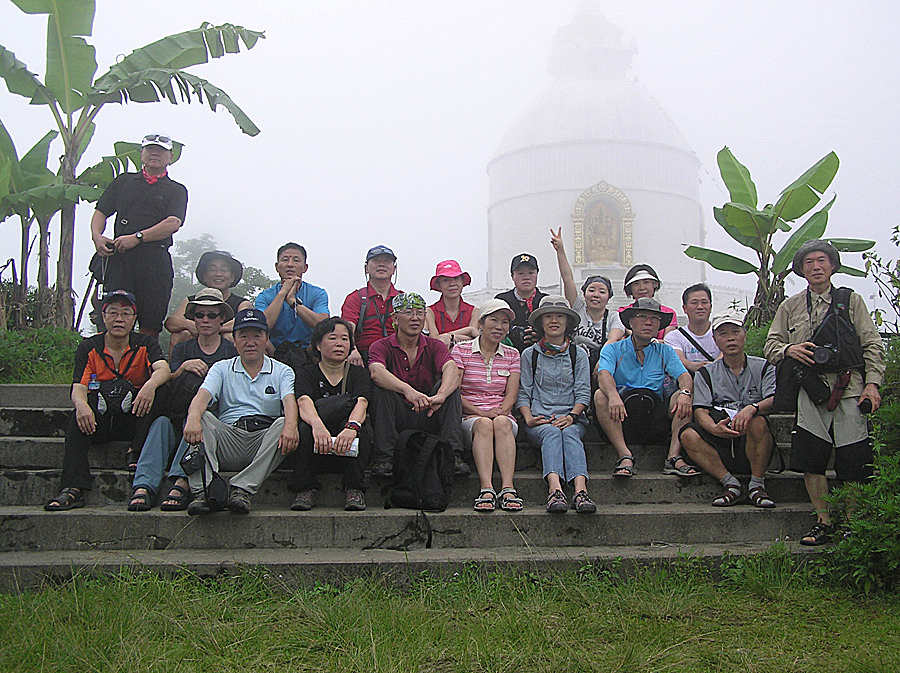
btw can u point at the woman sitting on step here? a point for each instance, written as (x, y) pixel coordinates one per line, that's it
(490, 383)
(332, 396)
(451, 319)
(554, 394)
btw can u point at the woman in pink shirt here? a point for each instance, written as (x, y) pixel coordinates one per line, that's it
(490, 383)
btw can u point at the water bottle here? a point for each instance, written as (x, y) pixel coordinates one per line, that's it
(93, 384)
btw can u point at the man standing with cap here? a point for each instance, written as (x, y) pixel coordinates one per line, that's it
(849, 360)
(293, 307)
(149, 208)
(524, 298)
(257, 422)
(368, 309)
(416, 386)
(630, 375)
(729, 434)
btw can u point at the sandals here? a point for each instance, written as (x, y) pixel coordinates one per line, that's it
(759, 498)
(181, 501)
(486, 500)
(730, 497)
(624, 471)
(583, 504)
(131, 458)
(819, 535)
(510, 500)
(683, 471)
(68, 498)
(557, 503)
(140, 502)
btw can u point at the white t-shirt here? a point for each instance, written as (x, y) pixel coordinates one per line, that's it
(677, 340)
(594, 330)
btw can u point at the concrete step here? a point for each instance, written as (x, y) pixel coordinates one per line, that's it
(112, 528)
(33, 422)
(35, 395)
(113, 487)
(290, 568)
(47, 453)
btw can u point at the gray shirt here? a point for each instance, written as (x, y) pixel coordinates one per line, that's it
(755, 383)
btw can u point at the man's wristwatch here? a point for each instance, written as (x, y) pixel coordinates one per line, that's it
(685, 391)
(139, 236)
(755, 406)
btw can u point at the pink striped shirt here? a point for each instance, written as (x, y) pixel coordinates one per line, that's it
(484, 383)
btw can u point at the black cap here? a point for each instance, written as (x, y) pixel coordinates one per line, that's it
(523, 258)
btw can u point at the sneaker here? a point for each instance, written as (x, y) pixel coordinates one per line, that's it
(383, 469)
(198, 506)
(239, 502)
(304, 501)
(557, 503)
(356, 500)
(460, 467)
(583, 504)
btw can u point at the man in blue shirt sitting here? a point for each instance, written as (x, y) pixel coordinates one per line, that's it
(629, 401)
(257, 422)
(292, 307)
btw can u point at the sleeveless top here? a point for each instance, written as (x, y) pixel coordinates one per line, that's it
(442, 320)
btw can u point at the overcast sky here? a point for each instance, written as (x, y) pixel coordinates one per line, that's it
(379, 118)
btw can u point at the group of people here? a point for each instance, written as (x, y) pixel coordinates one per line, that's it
(255, 383)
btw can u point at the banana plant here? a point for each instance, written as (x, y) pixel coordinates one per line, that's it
(75, 97)
(757, 228)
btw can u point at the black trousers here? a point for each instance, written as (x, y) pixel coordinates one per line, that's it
(308, 464)
(76, 471)
(392, 414)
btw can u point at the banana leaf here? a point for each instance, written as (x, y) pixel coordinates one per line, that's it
(720, 260)
(805, 192)
(814, 227)
(736, 177)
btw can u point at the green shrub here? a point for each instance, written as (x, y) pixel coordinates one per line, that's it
(756, 339)
(43, 355)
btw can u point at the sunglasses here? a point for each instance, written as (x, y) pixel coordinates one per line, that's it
(156, 138)
(211, 316)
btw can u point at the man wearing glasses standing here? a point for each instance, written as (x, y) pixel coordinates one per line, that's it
(102, 412)
(149, 208)
(416, 386)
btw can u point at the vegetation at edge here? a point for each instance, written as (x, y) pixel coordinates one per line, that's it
(42, 355)
(762, 615)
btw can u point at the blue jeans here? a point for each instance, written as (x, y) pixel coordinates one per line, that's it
(155, 456)
(562, 451)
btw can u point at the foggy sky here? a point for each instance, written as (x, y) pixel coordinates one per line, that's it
(379, 118)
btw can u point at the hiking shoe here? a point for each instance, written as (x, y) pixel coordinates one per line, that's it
(460, 467)
(583, 504)
(198, 506)
(557, 503)
(819, 535)
(356, 500)
(383, 469)
(239, 502)
(304, 501)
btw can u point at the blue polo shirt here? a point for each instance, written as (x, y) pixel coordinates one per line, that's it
(620, 360)
(289, 326)
(240, 395)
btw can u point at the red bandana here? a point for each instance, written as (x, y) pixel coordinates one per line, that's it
(151, 179)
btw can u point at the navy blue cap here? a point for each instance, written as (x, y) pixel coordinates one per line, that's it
(121, 295)
(380, 250)
(250, 317)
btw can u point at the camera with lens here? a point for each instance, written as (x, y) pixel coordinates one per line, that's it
(192, 460)
(825, 354)
(517, 331)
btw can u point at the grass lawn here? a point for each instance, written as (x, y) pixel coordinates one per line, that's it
(760, 615)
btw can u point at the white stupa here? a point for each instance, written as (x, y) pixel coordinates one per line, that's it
(596, 155)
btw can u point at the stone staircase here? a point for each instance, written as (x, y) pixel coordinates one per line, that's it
(645, 518)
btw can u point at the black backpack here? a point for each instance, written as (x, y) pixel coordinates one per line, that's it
(423, 472)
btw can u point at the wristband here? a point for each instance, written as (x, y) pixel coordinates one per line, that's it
(353, 425)
(573, 417)
(755, 406)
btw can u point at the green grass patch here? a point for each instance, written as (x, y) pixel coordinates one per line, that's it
(42, 355)
(761, 614)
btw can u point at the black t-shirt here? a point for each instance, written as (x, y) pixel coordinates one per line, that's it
(190, 350)
(139, 205)
(310, 381)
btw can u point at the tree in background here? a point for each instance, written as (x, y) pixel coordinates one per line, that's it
(74, 98)
(886, 275)
(756, 228)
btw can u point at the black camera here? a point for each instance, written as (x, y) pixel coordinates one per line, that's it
(823, 355)
(193, 459)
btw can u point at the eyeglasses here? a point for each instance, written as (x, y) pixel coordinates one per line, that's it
(119, 314)
(646, 317)
(211, 316)
(156, 138)
(418, 312)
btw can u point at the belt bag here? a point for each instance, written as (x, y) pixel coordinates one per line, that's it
(254, 422)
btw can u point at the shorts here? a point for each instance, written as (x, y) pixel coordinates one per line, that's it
(145, 271)
(648, 428)
(469, 421)
(732, 452)
(810, 454)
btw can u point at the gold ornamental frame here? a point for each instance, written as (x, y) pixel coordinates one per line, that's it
(616, 195)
